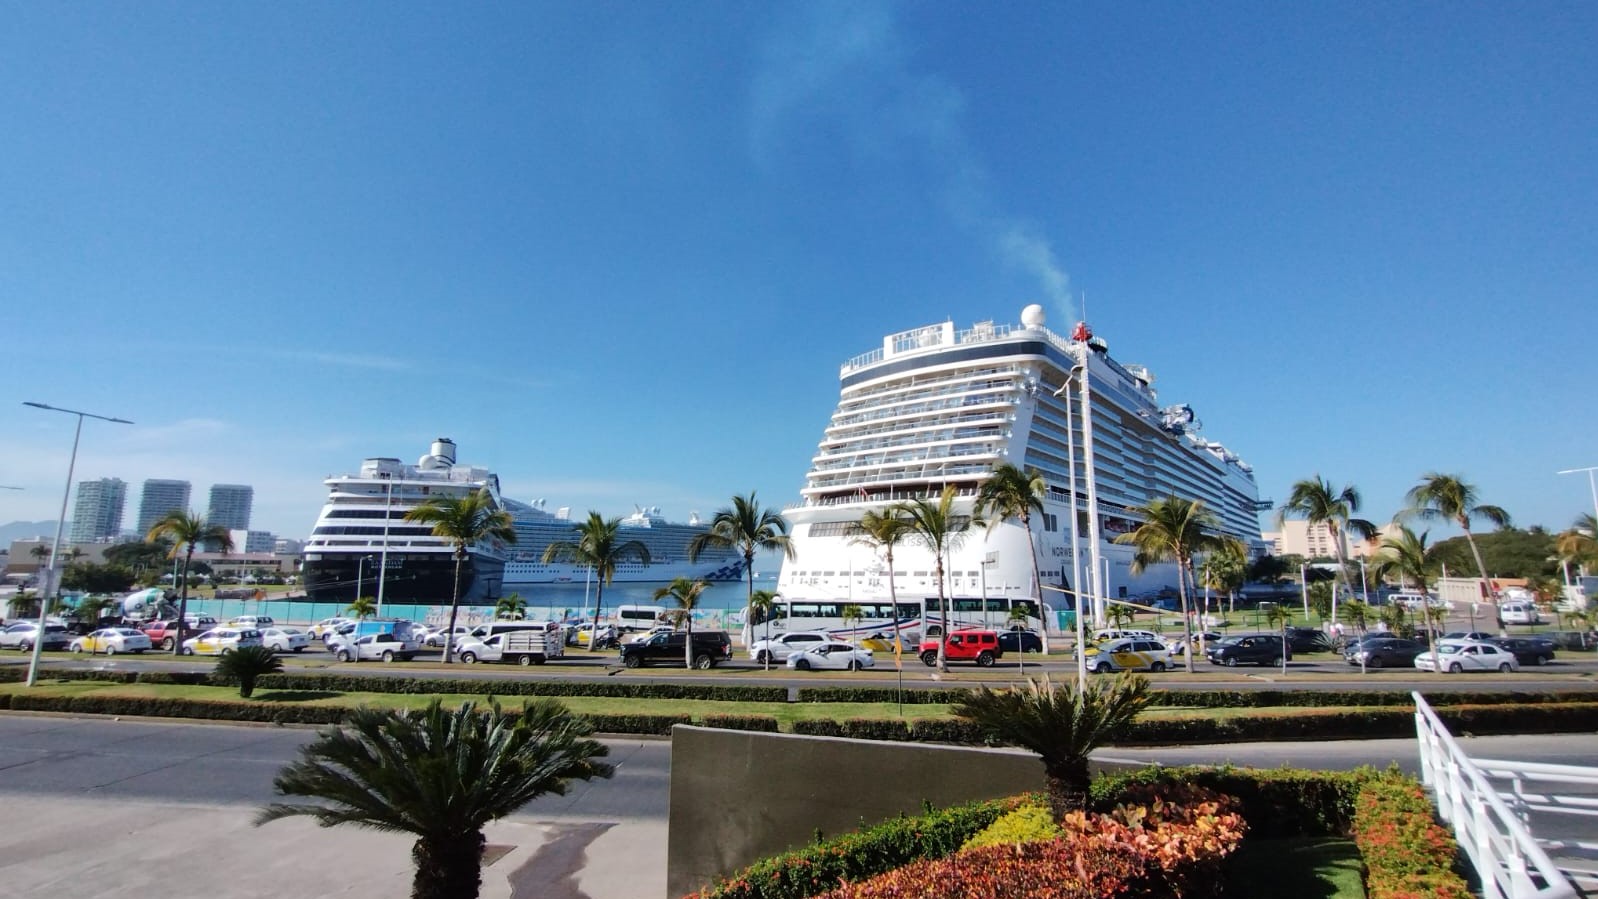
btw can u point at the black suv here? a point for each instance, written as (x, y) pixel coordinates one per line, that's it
(710, 647)
(1252, 649)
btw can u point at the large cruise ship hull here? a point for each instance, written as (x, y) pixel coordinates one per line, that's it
(626, 573)
(420, 578)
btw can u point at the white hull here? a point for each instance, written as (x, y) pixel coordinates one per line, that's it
(626, 573)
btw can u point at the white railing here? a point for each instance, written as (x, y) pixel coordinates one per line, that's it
(1526, 789)
(1509, 861)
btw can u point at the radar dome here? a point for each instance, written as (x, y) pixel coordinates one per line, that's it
(1033, 317)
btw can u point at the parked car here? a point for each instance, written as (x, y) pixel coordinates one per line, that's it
(164, 634)
(386, 647)
(1519, 611)
(328, 626)
(22, 635)
(221, 641)
(1128, 654)
(1020, 641)
(1479, 636)
(1527, 650)
(833, 655)
(980, 646)
(253, 622)
(1308, 639)
(285, 639)
(527, 646)
(1455, 656)
(778, 648)
(435, 636)
(710, 647)
(604, 639)
(1255, 649)
(1108, 634)
(112, 640)
(1384, 652)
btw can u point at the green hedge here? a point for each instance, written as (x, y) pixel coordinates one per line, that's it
(1230, 698)
(763, 723)
(1276, 802)
(356, 683)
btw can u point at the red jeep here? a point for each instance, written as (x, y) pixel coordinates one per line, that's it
(977, 646)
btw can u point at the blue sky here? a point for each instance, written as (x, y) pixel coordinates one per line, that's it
(617, 250)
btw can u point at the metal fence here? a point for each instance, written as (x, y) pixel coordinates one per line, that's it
(1510, 862)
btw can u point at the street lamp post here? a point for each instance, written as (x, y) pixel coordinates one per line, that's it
(1592, 484)
(1076, 544)
(382, 565)
(360, 569)
(52, 582)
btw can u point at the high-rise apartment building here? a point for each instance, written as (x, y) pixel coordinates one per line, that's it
(159, 498)
(230, 506)
(98, 514)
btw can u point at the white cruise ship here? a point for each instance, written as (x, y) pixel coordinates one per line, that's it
(666, 541)
(936, 406)
(365, 513)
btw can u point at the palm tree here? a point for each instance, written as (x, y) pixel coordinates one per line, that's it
(1173, 529)
(441, 776)
(1449, 497)
(599, 547)
(762, 603)
(1406, 554)
(747, 528)
(188, 531)
(685, 593)
(1225, 570)
(511, 608)
(1062, 725)
(21, 604)
(1010, 493)
(362, 608)
(1319, 503)
(883, 531)
(937, 528)
(463, 521)
(1579, 543)
(852, 615)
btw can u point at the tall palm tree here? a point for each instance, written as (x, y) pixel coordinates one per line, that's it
(463, 521)
(188, 531)
(1450, 497)
(936, 527)
(1010, 493)
(600, 548)
(1225, 570)
(1061, 724)
(762, 603)
(441, 776)
(511, 608)
(362, 608)
(851, 614)
(882, 531)
(685, 593)
(1406, 554)
(747, 528)
(1319, 503)
(1173, 529)
(1579, 543)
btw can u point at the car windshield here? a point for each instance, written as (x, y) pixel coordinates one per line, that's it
(1450, 648)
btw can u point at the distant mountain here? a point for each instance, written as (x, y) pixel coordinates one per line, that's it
(23, 530)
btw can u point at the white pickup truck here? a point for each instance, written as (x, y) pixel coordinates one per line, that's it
(533, 646)
(384, 647)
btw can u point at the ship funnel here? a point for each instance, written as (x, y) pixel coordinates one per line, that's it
(444, 448)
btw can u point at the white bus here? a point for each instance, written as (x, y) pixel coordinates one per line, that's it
(911, 618)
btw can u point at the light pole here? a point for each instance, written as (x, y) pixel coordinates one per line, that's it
(55, 546)
(360, 569)
(1592, 484)
(382, 566)
(1076, 544)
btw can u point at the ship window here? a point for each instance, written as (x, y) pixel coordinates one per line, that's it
(919, 573)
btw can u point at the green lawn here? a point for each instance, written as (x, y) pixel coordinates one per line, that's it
(1303, 868)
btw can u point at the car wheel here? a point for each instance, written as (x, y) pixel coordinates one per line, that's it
(1541, 660)
(1104, 668)
(930, 658)
(633, 661)
(801, 665)
(469, 658)
(298, 648)
(1276, 661)
(110, 650)
(77, 649)
(985, 660)
(704, 662)
(1505, 668)
(388, 655)
(525, 661)
(1231, 662)
(1455, 668)
(1157, 667)
(187, 651)
(342, 656)
(763, 657)
(168, 643)
(854, 664)
(1373, 662)
(226, 650)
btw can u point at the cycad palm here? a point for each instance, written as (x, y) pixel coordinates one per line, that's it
(441, 776)
(1319, 503)
(746, 528)
(1173, 529)
(685, 593)
(1010, 493)
(187, 531)
(936, 527)
(1450, 497)
(463, 521)
(598, 547)
(1061, 724)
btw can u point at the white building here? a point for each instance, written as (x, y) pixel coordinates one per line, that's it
(97, 516)
(230, 506)
(160, 498)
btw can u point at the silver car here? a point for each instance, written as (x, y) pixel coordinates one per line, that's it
(22, 636)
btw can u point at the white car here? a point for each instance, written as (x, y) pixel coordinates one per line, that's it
(253, 622)
(220, 641)
(384, 647)
(830, 655)
(285, 639)
(1467, 655)
(1109, 634)
(778, 648)
(112, 640)
(21, 636)
(327, 626)
(1129, 654)
(436, 637)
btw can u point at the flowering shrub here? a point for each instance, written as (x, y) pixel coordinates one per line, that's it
(1047, 869)
(1407, 854)
(1026, 824)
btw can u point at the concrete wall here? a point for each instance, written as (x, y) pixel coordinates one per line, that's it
(740, 796)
